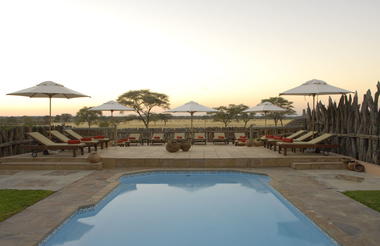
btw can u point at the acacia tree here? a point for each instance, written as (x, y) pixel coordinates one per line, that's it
(165, 118)
(283, 103)
(227, 114)
(85, 115)
(143, 101)
(246, 117)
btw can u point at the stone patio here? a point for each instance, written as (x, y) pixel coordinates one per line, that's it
(315, 192)
(200, 156)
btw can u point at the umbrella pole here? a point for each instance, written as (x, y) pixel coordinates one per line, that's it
(114, 126)
(313, 115)
(191, 123)
(265, 123)
(50, 117)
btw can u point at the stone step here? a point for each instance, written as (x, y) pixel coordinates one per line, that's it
(42, 159)
(51, 166)
(318, 165)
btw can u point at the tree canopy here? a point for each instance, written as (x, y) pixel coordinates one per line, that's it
(227, 114)
(143, 101)
(85, 115)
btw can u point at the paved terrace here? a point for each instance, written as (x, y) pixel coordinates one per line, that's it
(200, 156)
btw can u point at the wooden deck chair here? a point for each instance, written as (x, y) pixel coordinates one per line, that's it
(240, 139)
(299, 139)
(179, 136)
(199, 137)
(157, 138)
(88, 142)
(47, 144)
(268, 143)
(305, 136)
(135, 138)
(296, 134)
(219, 137)
(315, 143)
(102, 141)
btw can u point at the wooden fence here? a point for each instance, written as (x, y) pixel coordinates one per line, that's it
(356, 126)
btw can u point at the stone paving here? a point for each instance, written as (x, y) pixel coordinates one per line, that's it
(314, 192)
(39, 180)
(197, 151)
(343, 180)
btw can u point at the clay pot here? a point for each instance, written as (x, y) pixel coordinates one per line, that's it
(249, 143)
(172, 146)
(257, 143)
(354, 166)
(185, 146)
(94, 157)
(351, 165)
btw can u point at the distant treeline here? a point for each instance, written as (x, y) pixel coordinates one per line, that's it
(102, 120)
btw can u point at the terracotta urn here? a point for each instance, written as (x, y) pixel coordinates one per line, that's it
(94, 157)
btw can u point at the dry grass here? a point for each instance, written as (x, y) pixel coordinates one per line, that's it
(182, 123)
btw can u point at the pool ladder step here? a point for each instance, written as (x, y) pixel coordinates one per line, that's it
(318, 165)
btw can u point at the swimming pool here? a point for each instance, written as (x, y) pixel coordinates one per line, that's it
(188, 209)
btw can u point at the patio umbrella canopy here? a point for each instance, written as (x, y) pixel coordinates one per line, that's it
(49, 90)
(265, 107)
(313, 88)
(191, 107)
(111, 106)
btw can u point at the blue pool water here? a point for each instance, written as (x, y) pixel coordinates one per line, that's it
(190, 209)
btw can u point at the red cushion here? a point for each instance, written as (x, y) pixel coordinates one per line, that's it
(269, 136)
(242, 137)
(132, 138)
(200, 136)
(287, 140)
(242, 140)
(277, 137)
(179, 137)
(85, 139)
(73, 141)
(120, 141)
(99, 137)
(156, 137)
(221, 137)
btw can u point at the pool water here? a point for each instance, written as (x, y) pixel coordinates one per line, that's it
(190, 209)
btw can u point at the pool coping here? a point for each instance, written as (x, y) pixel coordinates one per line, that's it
(333, 223)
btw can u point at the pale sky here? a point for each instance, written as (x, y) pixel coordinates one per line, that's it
(215, 52)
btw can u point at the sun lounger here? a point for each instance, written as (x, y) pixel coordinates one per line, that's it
(306, 136)
(219, 137)
(87, 141)
(47, 144)
(135, 138)
(199, 137)
(240, 139)
(269, 142)
(179, 137)
(315, 143)
(102, 140)
(122, 142)
(157, 138)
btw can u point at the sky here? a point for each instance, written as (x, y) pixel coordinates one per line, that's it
(215, 52)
